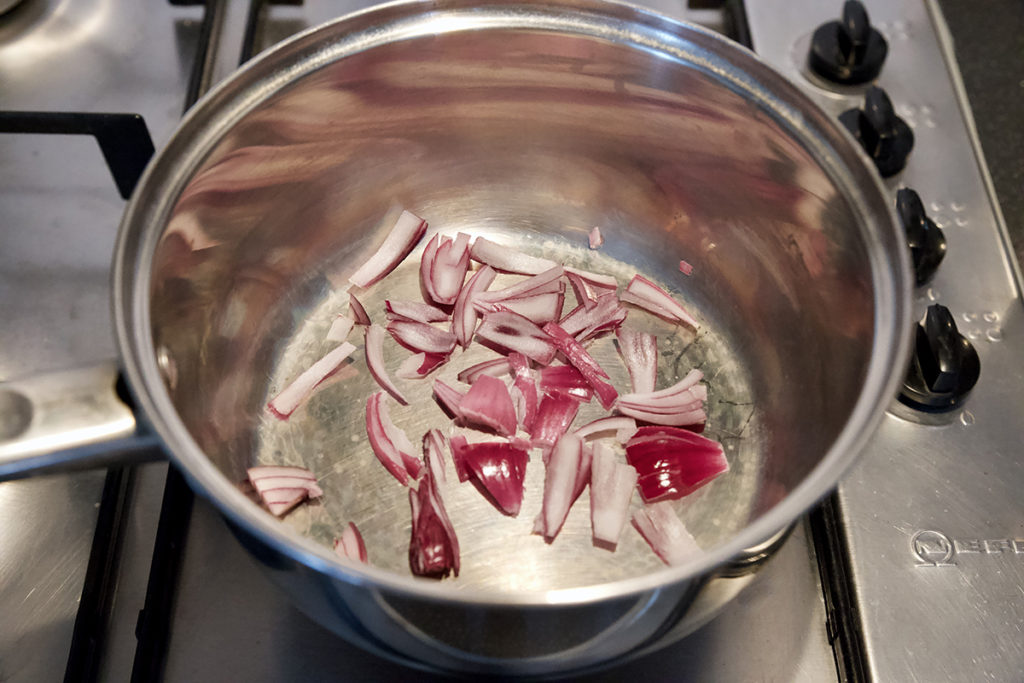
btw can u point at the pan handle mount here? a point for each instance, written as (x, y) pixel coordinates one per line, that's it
(67, 420)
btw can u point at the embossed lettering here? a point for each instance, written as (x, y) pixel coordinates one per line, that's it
(997, 546)
(972, 545)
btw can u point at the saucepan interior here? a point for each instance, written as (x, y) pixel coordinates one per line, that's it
(529, 133)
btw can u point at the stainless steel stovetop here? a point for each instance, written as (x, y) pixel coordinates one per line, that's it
(914, 570)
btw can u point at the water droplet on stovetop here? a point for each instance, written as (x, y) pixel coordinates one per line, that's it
(966, 418)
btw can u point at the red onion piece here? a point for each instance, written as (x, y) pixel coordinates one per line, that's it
(554, 415)
(357, 310)
(542, 283)
(464, 315)
(433, 546)
(407, 231)
(301, 388)
(417, 336)
(639, 351)
(415, 311)
(611, 488)
(606, 314)
(488, 403)
(282, 488)
(678, 405)
(565, 379)
(419, 365)
(351, 545)
(623, 425)
(583, 473)
(427, 261)
(509, 260)
(443, 268)
(512, 332)
(579, 288)
(524, 383)
(540, 308)
(672, 463)
(596, 281)
(459, 447)
(559, 482)
(499, 469)
(657, 300)
(375, 362)
(340, 329)
(595, 238)
(584, 362)
(665, 533)
(433, 453)
(381, 432)
(685, 268)
(494, 368)
(520, 443)
(449, 398)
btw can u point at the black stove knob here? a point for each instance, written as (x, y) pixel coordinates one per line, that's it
(925, 239)
(849, 51)
(944, 367)
(884, 136)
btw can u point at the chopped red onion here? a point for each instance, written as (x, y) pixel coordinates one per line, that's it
(579, 288)
(488, 403)
(678, 405)
(584, 324)
(464, 315)
(443, 267)
(540, 308)
(419, 365)
(565, 379)
(672, 463)
(584, 362)
(414, 310)
(520, 443)
(666, 534)
(340, 328)
(375, 362)
(595, 280)
(449, 398)
(595, 238)
(623, 426)
(507, 259)
(554, 415)
(433, 453)
(685, 268)
(424, 337)
(301, 388)
(611, 488)
(351, 545)
(499, 468)
(357, 310)
(639, 351)
(388, 441)
(459, 447)
(658, 301)
(583, 473)
(494, 368)
(526, 387)
(433, 546)
(407, 231)
(512, 332)
(559, 482)
(542, 283)
(282, 488)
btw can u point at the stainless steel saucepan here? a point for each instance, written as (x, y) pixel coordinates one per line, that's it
(529, 122)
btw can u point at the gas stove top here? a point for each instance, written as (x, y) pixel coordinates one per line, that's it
(913, 570)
